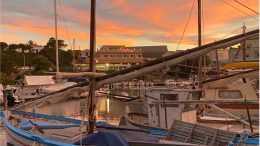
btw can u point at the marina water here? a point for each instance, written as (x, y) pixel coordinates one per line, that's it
(109, 110)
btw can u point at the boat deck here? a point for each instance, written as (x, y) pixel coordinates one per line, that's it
(67, 135)
(198, 134)
(51, 129)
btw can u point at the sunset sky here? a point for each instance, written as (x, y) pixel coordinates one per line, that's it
(124, 22)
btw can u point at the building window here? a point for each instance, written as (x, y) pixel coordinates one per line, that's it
(139, 56)
(132, 55)
(105, 55)
(230, 94)
(169, 97)
(119, 55)
(126, 56)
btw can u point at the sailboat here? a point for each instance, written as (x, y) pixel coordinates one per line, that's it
(30, 128)
(164, 106)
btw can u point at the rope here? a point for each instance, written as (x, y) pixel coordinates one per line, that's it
(239, 10)
(203, 30)
(186, 25)
(229, 34)
(246, 7)
(65, 24)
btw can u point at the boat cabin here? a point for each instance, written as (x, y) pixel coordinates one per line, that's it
(234, 87)
(163, 115)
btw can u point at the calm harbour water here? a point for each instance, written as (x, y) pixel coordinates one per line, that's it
(109, 110)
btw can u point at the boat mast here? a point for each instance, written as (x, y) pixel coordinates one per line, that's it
(73, 54)
(92, 68)
(244, 43)
(199, 44)
(56, 38)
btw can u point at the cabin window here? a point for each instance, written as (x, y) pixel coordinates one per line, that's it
(230, 94)
(169, 97)
(196, 95)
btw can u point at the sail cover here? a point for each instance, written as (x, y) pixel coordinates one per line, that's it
(116, 138)
(38, 80)
(223, 81)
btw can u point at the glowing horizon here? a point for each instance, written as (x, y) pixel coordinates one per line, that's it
(124, 22)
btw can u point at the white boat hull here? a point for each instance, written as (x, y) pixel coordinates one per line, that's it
(16, 140)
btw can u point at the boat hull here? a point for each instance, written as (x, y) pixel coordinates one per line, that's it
(16, 140)
(18, 137)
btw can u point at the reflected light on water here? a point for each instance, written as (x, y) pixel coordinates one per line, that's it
(108, 105)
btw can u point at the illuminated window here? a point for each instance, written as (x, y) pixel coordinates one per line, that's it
(230, 94)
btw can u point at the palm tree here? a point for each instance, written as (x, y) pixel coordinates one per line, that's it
(30, 43)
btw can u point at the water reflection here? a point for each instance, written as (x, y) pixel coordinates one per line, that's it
(110, 110)
(106, 109)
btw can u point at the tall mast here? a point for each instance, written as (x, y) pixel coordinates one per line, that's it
(199, 44)
(73, 54)
(56, 39)
(244, 43)
(92, 66)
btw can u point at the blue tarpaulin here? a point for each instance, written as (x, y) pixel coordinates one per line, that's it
(110, 137)
(252, 141)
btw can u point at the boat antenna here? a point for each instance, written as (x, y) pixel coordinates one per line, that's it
(91, 119)
(56, 37)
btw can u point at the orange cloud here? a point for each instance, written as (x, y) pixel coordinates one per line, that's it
(130, 21)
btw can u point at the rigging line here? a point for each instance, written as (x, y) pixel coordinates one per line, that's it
(246, 7)
(186, 25)
(240, 10)
(229, 34)
(203, 30)
(64, 21)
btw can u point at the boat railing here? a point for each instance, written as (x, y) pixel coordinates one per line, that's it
(214, 115)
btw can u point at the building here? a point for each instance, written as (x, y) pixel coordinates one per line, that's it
(19, 50)
(117, 57)
(223, 57)
(84, 54)
(252, 51)
(151, 52)
(36, 48)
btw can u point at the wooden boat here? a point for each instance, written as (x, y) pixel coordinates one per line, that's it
(161, 110)
(28, 128)
(155, 116)
(35, 128)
